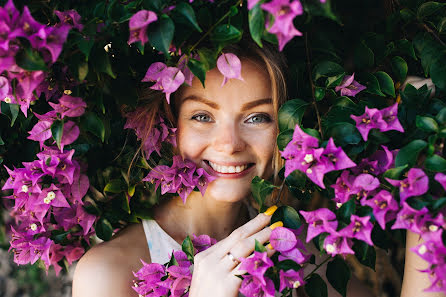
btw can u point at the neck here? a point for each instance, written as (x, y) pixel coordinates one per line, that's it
(200, 215)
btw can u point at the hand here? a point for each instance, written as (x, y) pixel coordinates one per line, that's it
(214, 270)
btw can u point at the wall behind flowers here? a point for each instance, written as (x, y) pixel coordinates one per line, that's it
(361, 130)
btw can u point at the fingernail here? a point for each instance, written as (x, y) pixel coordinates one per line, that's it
(271, 210)
(269, 246)
(276, 224)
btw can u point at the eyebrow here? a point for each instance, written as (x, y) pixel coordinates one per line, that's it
(245, 107)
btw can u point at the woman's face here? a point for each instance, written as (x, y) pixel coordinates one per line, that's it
(229, 131)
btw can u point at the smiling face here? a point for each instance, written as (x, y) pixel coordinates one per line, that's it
(229, 131)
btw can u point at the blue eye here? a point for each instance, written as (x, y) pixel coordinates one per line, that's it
(202, 118)
(259, 119)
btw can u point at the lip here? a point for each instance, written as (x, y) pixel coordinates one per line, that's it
(212, 172)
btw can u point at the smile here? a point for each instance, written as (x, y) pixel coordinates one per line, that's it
(231, 169)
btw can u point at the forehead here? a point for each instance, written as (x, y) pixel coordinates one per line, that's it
(256, 84)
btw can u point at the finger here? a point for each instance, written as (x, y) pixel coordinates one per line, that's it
(269, 252)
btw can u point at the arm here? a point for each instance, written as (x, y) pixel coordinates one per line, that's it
(414, 282)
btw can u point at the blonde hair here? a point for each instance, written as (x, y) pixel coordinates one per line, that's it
(152, 103)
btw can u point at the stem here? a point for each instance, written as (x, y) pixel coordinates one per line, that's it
(426, 27)
(280, 191)
(317, 267)
(307, 50)
(212, 28)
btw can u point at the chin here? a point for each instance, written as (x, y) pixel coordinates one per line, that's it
(228, 191)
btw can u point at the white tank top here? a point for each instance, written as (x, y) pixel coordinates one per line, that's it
(160, 243)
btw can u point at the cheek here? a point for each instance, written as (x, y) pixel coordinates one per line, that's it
(190, 142)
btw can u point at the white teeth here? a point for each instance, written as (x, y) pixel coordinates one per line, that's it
(227, 169)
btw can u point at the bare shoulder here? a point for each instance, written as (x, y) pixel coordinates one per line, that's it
(107, 269)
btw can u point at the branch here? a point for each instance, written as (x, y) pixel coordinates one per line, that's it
(426, 27)
(317, 267)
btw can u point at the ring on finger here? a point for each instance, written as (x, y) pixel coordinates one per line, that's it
(232, 258)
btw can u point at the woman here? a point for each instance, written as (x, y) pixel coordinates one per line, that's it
(230, 131)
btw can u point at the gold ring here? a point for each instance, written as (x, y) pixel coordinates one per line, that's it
(233, 259)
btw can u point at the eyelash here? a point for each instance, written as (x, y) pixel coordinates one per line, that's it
(265, 118)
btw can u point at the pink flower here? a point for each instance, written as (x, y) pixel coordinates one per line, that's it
(416, 184)
(319, 221)
(338, 244)
(349, 86)
(138, 26)
(257, 265)
(291, 279)
(384, 207)
(229, 66)
(69, 106)
(70, 18)
(359, 228)
(167, 79)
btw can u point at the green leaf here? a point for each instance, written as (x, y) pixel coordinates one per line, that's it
(441, 116)
(104, 229)
(326, 69)
(291, 113)
(346, 210)
(345, 133)
(208, 57)
(260, 189)
(31, 60)
(395, 173)
(198, 68)
(188, 12)
(188, 248)
(288, 216)
(364, 57)
(427, 124)
(316, 8)
(435, 163)
(372, 84)
(57, 132)
(319, 93)
(161, 33)
(172, 261)
(408, 154)
(399, 68)
(284, 138)
(338, 274)
(333, 81)
(101, 61)
(225, 34)
(85, 46)
(438, 70)
(407, 14)
(10, 110)
(286, 265)
(125, 203)
(386, 83)
(256, 21)
(316, 287)
(115, 186)
(259, 247)
(429, 8)
(406, 47)
(82, 71)
(92, 123)
(439, 203)
(441, 27)
(365, 254)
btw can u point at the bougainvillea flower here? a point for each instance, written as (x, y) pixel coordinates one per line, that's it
(416, 184)
(319, 221)
(27, 26)
(390, 117)
(257, 265)
(291, 279)
(252, 287)
(343, 187)
(337, 156)
(167, 79)
(282, 239)
(349, 86)
(138, 26)
(371, 119)
(70, 18)
(252, 3)
(380, 161)
(149, 277)
(40, 132)
(337, 244)
(5, 88)
(359, 228)
(298, 254)
(229, 66)
(70, 134)
(69, 106)
(55, 38)
(441, 178)
(202, 242)
(363, 185)
(407, 216)
(284, 13)
(384, 207)
(202, 180)
(182, 65)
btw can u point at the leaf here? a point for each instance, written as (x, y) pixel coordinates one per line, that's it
(316, 287)
(82, 71)
(372, 84)
(259, 247)
(345, 133)
(198, 68)
(256, 21)
(161, 33)
(364, 57)
(326, 69)
(104, 229)
(188, 12)
(92, 123)
(208, 57)
(435, 163)
(399, 68)
(427, 124)
(346, 210)
(386, 83)
(284, 138)
(441, 27)
(85, 46)
(441, 116)
(260, 189)
(225, 34)
(57, 132)
(408, 154)
(429, 8)
(395, 173)
(338, 274)
(188, 248)
(288, 216)
(406, 47)
(31, 60)
(10, 110)
(438, 71)
(319, 93)
(286, 265)
(101, 61)
(115, 186)
(316, 8)
(291, 113)
(365, 254)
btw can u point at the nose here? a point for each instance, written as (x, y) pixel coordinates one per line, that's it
(228, 138)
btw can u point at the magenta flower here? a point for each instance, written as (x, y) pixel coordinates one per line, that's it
(359, 228)
(284, 13)
(343, 187)
(282, 239)
(69, 106)
(69, 135)
(371, 119)
(319, 221)
(390, 117)
(338, 159)
(252, 3)
(291, 279)
(257, 265)
(407, 217)
(364, 185)
(377, 163)
(167, 79)
(441, 178)
(202, 242)
(384, 207)
(415, 184)
(40, 132)
(138, 26)
(149, 279)
(70, 18)
(349, 86)
(229, 66)
(252, 287)
(5, 88)
(338, 244)
(55, 37)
